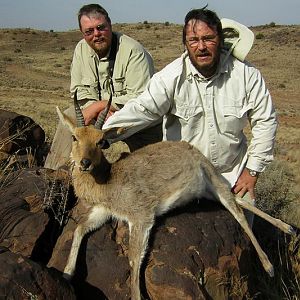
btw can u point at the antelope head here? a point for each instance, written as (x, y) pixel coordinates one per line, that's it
(88, 141)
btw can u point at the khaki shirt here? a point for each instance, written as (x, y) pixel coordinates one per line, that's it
(132, 70)
(209, 114)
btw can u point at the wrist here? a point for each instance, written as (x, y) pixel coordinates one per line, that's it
(253, 173)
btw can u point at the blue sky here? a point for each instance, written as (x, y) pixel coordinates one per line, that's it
(60, 15)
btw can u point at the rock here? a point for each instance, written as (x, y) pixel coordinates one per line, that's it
(193, 253)
(102, 266)
(19, 133)
(28, 222)
(21, 278)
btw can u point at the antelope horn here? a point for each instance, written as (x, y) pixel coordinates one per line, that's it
(102, 116)
(78, 112)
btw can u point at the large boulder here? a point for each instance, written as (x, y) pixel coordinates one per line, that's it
(20, 134)
(29, 211)
(22, 278)
(193, 253)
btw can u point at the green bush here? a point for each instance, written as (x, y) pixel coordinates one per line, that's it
(273, 189)
(272, 24)
(260, 36)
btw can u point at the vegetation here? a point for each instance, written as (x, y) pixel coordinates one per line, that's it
(260, 36)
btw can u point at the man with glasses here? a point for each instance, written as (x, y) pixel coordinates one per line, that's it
(103, 54)
(206, 97)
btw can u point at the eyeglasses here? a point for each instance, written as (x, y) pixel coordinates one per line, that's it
(207, 40)
(91, 31)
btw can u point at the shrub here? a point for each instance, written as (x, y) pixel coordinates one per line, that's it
(167, 23)
(272, 24)
(273, 188)
(7, 59)
(260, 36)
(282, 86)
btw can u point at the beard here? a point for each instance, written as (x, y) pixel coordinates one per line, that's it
(205, 62)
(101, 46)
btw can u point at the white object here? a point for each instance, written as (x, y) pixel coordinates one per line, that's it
(238, 39)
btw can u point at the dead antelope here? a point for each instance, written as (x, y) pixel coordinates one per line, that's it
(145, 184)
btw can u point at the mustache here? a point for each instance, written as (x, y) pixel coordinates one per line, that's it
(100, 39)
(202, 53)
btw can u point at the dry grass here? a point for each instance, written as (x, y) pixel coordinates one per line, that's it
(34, 73)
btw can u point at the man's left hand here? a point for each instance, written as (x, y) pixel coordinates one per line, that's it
(245, 183)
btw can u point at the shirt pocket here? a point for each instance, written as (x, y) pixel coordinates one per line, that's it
(236, 117)
(119, 86)
(90, 86)
(188, 119)
(186, 113)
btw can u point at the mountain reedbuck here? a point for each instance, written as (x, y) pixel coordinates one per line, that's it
(145, 184)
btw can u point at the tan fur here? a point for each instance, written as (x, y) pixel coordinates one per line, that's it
(145, 184)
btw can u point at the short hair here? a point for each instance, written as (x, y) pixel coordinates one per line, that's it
(92, 10)
(205, 15)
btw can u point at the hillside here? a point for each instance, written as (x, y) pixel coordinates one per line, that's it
(34, 73)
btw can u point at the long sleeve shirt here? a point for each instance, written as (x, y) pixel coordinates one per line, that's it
(211, 114)
(133, 67)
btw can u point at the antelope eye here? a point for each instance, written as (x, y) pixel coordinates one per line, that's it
(103, 144)
(74, 138)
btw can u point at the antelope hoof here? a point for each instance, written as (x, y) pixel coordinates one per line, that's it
(67, 276)
(292, 231)
(270, 271)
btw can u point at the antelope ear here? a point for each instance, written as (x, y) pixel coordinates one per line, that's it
(113, 133)
(67, 121)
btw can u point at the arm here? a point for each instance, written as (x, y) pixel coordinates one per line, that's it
(142, 111)
(263, 126)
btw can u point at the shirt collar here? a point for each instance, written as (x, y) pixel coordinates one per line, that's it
(93, 54)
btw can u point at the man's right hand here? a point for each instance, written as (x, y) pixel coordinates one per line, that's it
(91, 112)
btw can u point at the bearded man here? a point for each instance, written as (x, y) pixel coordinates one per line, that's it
(207, 97)
(100, 56)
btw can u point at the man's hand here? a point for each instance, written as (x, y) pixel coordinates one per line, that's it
(244, 184)
(92, 111)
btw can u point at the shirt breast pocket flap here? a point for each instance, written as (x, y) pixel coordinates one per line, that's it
(236, 111)
(88, 82)
(187, 112)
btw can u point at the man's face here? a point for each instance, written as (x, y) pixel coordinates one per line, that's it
(97, 32)
(203, 45)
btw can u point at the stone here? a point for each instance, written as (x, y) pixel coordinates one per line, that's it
(20, 134)
(22, 278)
(193, 253)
